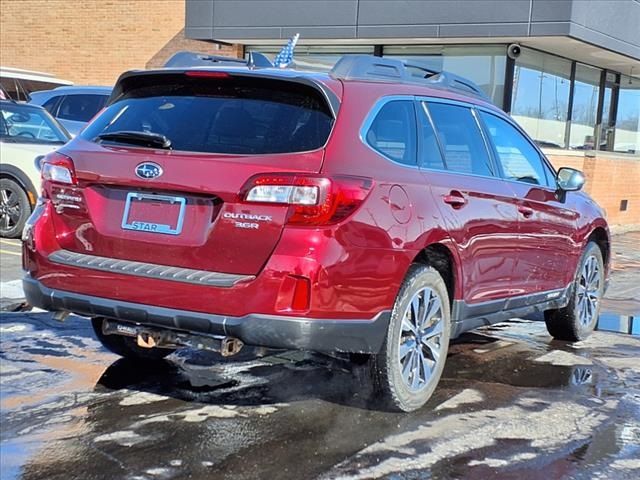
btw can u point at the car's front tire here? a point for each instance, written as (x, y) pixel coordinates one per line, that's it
(14, 208)
(578, 319)
(126, 346)
(409, 366)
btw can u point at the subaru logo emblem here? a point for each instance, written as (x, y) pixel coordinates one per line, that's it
(148, 170)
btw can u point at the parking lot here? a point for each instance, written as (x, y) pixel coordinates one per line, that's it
(511, 404)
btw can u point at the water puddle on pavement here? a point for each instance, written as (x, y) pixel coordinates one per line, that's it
(613, 322)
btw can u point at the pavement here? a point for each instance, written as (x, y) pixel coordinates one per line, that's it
(10, 272)
(512, 404)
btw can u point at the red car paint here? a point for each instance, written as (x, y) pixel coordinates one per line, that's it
(505, 238)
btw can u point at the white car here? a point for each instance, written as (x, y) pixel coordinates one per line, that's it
(27, 132)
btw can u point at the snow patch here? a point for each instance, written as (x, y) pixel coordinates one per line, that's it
(468, 395)
(126, 438)
(546, 429)
(141, 398)
(561, 358)
(626, 464)
(12, 290)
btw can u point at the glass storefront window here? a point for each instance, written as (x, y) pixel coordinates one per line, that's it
(540, 99)
(627, 130)
(485, 65)
(585, 107)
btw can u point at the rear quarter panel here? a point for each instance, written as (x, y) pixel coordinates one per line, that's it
(400, 215)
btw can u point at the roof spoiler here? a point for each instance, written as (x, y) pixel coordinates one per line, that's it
(137, 78)
(186, 59)
(370, 67)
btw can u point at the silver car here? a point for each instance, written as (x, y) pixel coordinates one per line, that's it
(72, 106)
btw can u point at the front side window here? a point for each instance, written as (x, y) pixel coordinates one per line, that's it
(460, 136)
(520, 161)
(21, 124)
(81, 108)
(393, 132)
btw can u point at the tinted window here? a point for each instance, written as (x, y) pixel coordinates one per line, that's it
(393, 132)
(21, 124)
(239, 116)
(464, 147)
(50, 104)
(518, 158)
(81, 108)
(430, 154)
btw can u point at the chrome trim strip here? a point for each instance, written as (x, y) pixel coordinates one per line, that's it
(148, 270)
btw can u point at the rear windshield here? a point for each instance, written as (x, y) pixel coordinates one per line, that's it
(228, 116)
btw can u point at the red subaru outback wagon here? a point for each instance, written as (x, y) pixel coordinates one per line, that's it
(378, 210)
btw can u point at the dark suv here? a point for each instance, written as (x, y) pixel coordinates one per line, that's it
(377, 210)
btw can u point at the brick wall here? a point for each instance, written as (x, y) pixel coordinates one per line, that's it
(179, 42)
(610, 179)
(93, 41)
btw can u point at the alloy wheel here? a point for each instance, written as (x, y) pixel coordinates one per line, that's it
(9, 209)
(589, 291)
(421, 339)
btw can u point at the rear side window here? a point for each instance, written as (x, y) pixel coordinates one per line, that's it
(519, 159)
(460, 136)
(393, 132)
(81, 108)
(238, 115)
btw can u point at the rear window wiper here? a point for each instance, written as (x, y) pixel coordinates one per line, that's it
(133, 137)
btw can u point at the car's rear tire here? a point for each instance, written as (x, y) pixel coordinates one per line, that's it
(14, 208)
(409, 366)
(126, 346)
(578, 319)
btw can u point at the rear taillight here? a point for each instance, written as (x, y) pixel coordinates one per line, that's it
(58, 168)
(312, 200)
(59, 182)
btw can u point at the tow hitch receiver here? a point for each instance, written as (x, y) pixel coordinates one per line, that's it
(148, 337)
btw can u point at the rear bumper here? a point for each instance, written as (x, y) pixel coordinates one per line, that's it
(361, 336)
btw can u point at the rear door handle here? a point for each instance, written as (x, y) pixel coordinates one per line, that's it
(455, 199)
(525, 211)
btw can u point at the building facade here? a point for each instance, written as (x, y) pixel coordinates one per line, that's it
(574, 85)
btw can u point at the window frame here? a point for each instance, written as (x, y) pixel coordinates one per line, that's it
(497, 173)
(550, 173)
(422, 109)
(373, 114)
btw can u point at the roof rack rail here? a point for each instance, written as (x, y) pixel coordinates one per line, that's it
(370, 67)
(186, 59)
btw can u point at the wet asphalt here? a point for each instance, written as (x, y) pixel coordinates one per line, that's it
(512, 403)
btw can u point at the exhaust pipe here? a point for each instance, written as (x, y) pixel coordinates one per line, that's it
(160, 338)
(61, 315)
(230, 346)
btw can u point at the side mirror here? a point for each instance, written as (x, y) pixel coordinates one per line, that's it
(570, 179)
